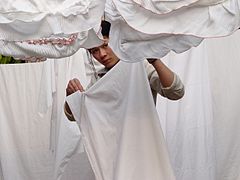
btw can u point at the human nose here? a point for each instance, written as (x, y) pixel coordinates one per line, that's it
(102, 52)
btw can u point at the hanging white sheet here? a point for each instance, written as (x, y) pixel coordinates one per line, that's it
(150, 28)
(203, 19)
(120, 127)
(132, 46)
(71, 162)
(224, 65)
(24, 143)
(167, 6)
(51, 29)
(24, 134)
(188, 123)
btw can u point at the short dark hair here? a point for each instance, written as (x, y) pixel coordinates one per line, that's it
(105, 28)
(105, 25)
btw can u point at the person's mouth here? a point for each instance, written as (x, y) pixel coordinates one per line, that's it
(107, 61)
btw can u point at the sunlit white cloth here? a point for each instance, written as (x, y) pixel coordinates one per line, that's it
(34, 50)
(71, 162)
(132, 46)
(56, 28)
(24, 132)
(149, 28)
(166, 6)
(203, 21)
(120, 128)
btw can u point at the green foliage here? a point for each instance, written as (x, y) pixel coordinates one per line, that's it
(9, 60)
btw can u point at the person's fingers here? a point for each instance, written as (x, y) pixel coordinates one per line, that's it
(70, 89)
(73, 86)
(78, 84)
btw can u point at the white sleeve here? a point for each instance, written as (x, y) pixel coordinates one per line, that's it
(173, 92)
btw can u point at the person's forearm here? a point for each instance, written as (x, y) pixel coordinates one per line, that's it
(166, 76)
(68, 112)
(67, 108)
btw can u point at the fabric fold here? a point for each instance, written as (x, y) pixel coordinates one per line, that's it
(50, 29)
(149, 29)
(202, 21)
(167, 6)
(33, 19)
(34, 50)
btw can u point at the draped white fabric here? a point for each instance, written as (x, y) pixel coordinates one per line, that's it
(28, 142)
(157, 27)
(204, 126)
(132, 46)
(30, 125)
(33, 30)
(24, 133)
(38, 50)
(53, 29)
(120, 127)
(224, 79)
(206, 20)
(189, 123)
(71, 162)
(31, 19)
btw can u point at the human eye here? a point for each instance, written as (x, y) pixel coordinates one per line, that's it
(94, 51)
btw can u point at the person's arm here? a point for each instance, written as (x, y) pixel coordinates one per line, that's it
(166, 76)
(68, 112)
(163, 80)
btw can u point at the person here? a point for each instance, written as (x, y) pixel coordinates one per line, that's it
(161, 79)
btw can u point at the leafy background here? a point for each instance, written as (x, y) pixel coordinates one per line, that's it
(9, 60)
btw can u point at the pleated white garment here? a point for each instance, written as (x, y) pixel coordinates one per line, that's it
(167, 6)
(53, 29)
(152, 28)
(120, 128)
(132, 46)
(24, 132)
(71, 162)
(205, 20)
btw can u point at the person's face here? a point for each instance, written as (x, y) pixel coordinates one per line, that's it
(105, 55)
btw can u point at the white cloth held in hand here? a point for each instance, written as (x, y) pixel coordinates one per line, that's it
(120, 128)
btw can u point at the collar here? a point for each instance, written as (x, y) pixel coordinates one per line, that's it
(102, 72)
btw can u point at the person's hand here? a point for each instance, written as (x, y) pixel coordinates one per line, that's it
(73, 86)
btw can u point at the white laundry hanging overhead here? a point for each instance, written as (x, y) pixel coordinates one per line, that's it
(166, 6)
(156, 27)
(120, 128)
(52, 29)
